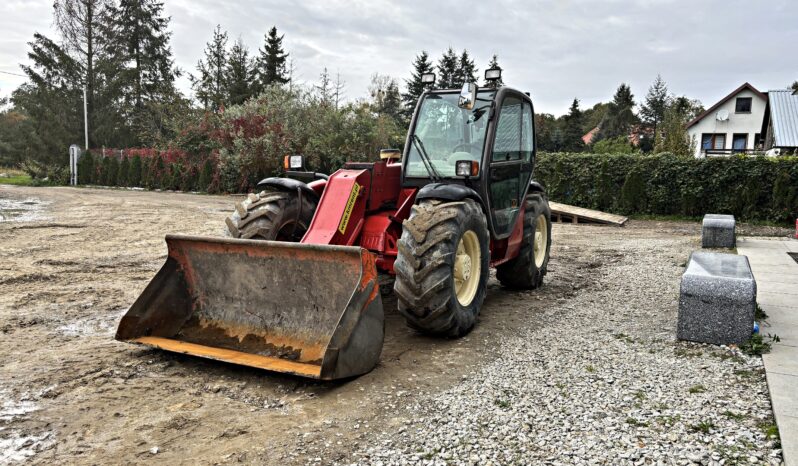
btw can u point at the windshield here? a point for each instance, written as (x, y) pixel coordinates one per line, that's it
(449, 133)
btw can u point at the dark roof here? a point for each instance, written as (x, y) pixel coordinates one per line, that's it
(723, 100)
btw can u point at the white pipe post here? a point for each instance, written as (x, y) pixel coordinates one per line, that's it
(85, 119)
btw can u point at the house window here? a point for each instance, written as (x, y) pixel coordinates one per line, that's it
(713, 141)
(743, 105)
(739, 142)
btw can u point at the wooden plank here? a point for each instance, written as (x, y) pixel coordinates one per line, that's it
(575, 214)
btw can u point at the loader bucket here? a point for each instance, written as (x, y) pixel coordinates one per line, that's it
(303, 309)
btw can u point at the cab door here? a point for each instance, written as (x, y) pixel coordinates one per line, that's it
(510, 163)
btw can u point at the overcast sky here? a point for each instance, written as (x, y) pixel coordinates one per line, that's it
(555, 49)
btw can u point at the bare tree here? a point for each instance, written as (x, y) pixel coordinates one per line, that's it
(324, 87)
(80, 24)
(338, 88)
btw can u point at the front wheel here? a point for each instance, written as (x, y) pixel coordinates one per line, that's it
(527, 270)
(442, 266)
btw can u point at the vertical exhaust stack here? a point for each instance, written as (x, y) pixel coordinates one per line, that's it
(303, 309)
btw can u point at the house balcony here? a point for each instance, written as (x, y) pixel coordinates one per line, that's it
(728, 152)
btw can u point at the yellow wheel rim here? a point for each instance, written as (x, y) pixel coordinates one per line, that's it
(541, 238)
(467, 268)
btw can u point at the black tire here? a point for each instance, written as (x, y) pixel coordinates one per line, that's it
(522, 272)
(272, 215)
(425, 283)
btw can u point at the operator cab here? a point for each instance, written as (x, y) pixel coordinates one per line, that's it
(482, 138)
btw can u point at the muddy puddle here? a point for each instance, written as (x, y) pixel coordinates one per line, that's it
(21, 210)
(17, 444)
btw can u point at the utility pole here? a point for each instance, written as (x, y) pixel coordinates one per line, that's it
(85, 120)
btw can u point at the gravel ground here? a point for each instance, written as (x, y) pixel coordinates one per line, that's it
(583, 370)
(602, 382)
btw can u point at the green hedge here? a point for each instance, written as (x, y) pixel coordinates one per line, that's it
(750, 188)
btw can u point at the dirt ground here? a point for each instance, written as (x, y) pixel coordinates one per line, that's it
(72, 260)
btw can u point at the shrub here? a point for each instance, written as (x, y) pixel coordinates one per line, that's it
(112, 171)
(751, 188)
(122, 174)
(86, 169)
(206, 176)
(134, 174)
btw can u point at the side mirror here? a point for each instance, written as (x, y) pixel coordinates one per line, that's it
(468, 96)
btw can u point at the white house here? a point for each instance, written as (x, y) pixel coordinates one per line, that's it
(734, 124)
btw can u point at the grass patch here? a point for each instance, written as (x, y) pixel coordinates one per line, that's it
(503, 404)
(590, 369)
(771, 431)
(697, 389)
(685, 353)
(704, 427)
(640, 395)
(760, 314)
(744, 373)
(757, 345)
(624, 337)
(19, 180)
(734, 416)
(634, 422)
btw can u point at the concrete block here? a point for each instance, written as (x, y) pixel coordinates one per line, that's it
(717, 299)
(717, 231)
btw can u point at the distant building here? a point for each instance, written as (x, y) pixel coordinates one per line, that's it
(780, 125)
(733, 125)
(588, 137)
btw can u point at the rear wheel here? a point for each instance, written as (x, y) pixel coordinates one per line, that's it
(442, 266)
(272, 215)
(530, 266)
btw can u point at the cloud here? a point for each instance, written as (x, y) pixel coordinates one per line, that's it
(556, 49)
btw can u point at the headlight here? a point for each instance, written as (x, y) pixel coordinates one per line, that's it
(466, 168)
(293, 162)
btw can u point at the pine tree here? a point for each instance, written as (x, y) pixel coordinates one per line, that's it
(652, 112)
(620, 117)
(448, 67)
(572, 131)
(211, 84)
(494, 64)
(272, 63)
(141, 45)
(414, 86)
(53, 102)
(686, 107)
(385, 96)
(545, 127)
(239, 74)
(466, 70)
